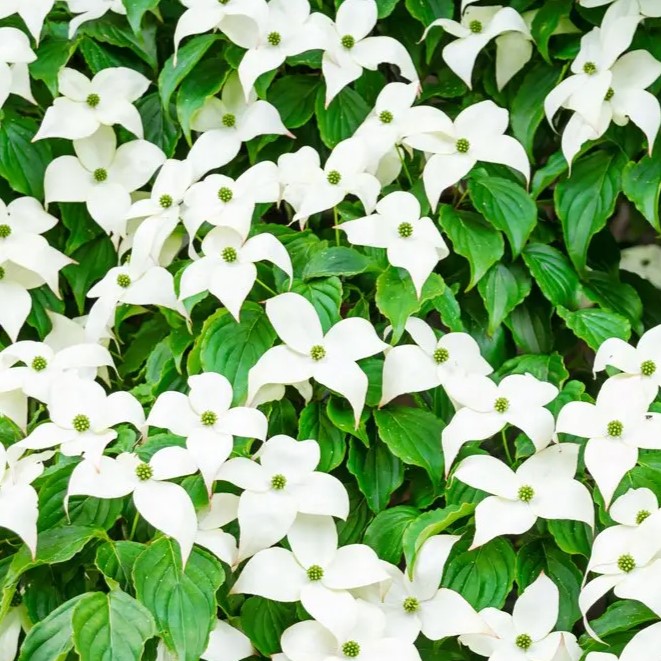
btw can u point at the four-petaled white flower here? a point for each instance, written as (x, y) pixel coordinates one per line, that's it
(411, 242)
(643, 645)
(33, 13)
(90, 10)
(542, 486)
(283, 484)
(222, 509)
(15, 55)
(207, 421)
(86, 104)
(518, 400)
(634, 507)
(330, 358)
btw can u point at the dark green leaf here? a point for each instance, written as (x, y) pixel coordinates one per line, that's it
(336, 261)
(264, 621)
(342, 117)
(502, 289)
(554, 274)
(116, 559)
(385, 533)
(427, 11)
(313, 423)
(294, 97)
(546, 21)
(641, 183)
(595, 326)
(326, 296)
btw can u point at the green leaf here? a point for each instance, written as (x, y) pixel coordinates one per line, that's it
(386, 531)
(474, 239)
(507, 206)
(160, 128)
(586, 199)
(115, 561)
(386, 7)
(232, 348)
(325, 295)
(530, 324)
(622, 615)
(182, 601)
(427, 11)
(617, 296)
(594, 326)
(336, 261)
(554, 274)
(549, 368)
(53, 54)
(573, 537)
(112, 627)
(263, 621)
(641, 183)
(502, 289)
(342, 117)
(313, 422)
(294, 97)
(136, 9)
(546, 21)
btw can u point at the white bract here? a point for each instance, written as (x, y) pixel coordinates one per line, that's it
(283, 484)
(644, 645)
(13, 401)
(330, 358)
(14, 621)
(634, 507)
(86, 104)
(644, 261)
(411, 242)
(650, 8)
(542, 486)
(33, 13)
(207, 421)
(15, 55)
(222, 509)
(90, 10)
(518, 400)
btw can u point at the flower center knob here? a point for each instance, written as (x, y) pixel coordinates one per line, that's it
(351, 649)
(225, 194)
(642, 515)
(523, 640)
(278, 482)
(93, 100)
(208, 418)
(615, 428)
(39, 363)
(317, 352)
(590, 68)
(410, 604)
(144, 471)
(229, 254)
(165, 201)
(223, 2)
(100, 174)
(123, 280)
(626, 563)
(81, 423)
(385, 116)
(526, 493)
(315, 573)
(609, 94)
(441, 355)
(501, 404)
(463, 145)
(348, 41)
(274, 38)
(475, 27)
(405, 230)
(647, 367)
(228, 120)
(5, 231)
(2, 272)
(334, 177)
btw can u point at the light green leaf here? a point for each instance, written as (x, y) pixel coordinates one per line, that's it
(427, 11)
(554, 274)
(385, 533)
(336, 261)
(136, 9)
(326, 296)
(595, 326)
(115, 561)
(314, 423)
(549, 368)
(641, 183)
(546, 21)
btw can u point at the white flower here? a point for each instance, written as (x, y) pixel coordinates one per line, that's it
(616, 425)
(164, 505)
(348, 50)
(90, 10)
(430, 362)
(33, 13)
(86, 104)
(23, 216)
(477, 134)
(634, 507)
(643, 645)
(368, 639)
(82, 417)
(650, 8)
(411, 242)
(205, 419)
(15, 54)
(644, 261)
(518, 400)
(12, 623)
(282, 485)
(478, 26)
(222, 508)
(414, 603)
(228, 122)
(103, 176)
(228, 268)
(309, 353)
(315, 572)
(528, 633)
(542, 486)
(13, 401)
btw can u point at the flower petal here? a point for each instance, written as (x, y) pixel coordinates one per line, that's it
(407, 369)
(495, 516)
(536, 610)
(273, 574)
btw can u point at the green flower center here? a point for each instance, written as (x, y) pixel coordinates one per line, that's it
(317, 352)
(315, 573)
(590, 68)
(278, 482)
(165, 201)
(208, 418)
(5, 231)
(81, 423)
(2, 272)
(274, 38)
(609, 94)
(39, 363)
(410, 604)
(647, 367)
(100, 174)
(526, 493)
(475, 27)
(334, 177)
(523, 640)
(123, 280)
(615, 428)
(501, 404)
(229, 254)
(626, 563)
(228, 120)
(441, 355)
(348, 41)
(405, 230)
(351, 649)
(144, 471)
(225, 194)
(463, 145)
(385, 116)
(93, 100)
(642, 515)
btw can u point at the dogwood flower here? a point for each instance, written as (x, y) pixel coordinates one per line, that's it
(644, 261)
(368, 638)
(33, 13)
(164, 505)
(616, 425)
(528, 632)
(348, 49)
(414, 603)
(277, 488)
(634, 507)
(649, 8)
(13, 401)
(478, 26)
(103, 176)
(641, 646)
(542, 486)
(309, 353)
(430, 362)
(205, 419)
(477, 134)
(411, 242)
(222, 508)
(90, 10)
(518, 400)
(15, 54)
(228, 268)
(315, 572)
(86, 104)
(23, 216)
